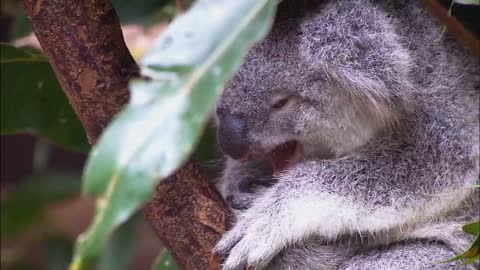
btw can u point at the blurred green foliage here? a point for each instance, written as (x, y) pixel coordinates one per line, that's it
(144, 12)
(25, 206)
(33, 101)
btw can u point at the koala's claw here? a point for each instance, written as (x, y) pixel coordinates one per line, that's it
(225, 248)
(251, 242)
(237, 202)
(227, 242)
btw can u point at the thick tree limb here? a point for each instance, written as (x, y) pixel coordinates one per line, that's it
(84, 45)
(453, 25)
(194, 240)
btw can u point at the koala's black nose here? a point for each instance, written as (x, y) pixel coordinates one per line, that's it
(232, 135)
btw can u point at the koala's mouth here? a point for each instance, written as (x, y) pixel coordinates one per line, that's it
(284, 155)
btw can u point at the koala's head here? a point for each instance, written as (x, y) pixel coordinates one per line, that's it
(313, 88)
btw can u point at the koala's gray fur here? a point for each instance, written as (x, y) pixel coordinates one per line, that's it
(386, 109)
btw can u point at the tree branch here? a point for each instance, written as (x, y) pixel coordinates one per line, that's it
(84, 45)
(454, 26)
(188, 221)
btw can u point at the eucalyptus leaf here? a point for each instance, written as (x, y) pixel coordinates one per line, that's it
(32, 100)
(189, 65)
(469, 256)
(472, 259)
(472, 228)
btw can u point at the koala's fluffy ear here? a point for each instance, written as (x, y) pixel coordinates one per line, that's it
(359, 53)
(367, 95)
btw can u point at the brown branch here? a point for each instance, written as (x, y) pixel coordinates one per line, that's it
(205, 212)
(453, 25)
(84, 45)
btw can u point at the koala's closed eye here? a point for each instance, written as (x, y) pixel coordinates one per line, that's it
(281, 102)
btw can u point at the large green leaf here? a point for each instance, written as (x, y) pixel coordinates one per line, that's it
(24, 207)
(189, 66)
(32, 100)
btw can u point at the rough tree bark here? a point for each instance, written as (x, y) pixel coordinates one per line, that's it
(84, 45)
(199, 209)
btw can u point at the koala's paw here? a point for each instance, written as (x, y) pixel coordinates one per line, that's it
(253, 241)
(241, 197)
(239, 201)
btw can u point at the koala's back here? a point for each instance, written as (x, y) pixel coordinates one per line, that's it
(392, 51)
(432, 79)
(443, 70)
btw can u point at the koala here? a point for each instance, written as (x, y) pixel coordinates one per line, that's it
(351, 138)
